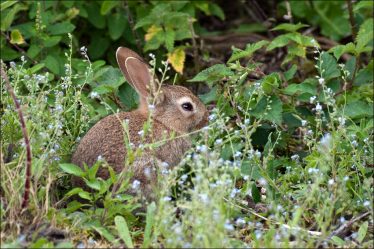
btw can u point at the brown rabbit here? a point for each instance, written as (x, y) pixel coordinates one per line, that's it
(174, 110)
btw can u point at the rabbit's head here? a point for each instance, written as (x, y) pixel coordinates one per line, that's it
(174, 106)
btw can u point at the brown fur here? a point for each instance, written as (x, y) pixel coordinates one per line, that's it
(106, 138)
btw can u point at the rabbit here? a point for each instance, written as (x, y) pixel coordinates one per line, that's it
(175, 111)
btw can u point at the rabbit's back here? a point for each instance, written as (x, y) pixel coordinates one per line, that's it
(106, 139)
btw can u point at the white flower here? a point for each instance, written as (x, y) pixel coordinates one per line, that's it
(141, 133)
(23, 58)
(258, 154)
(94, 95)
(304, 122)
(237, 154)
(325, 143)
(341, 121)
(166, 198)
(354, 143)
(218, 141)
(135, 184)
(312, 99)
(366, 203)
(99, 158)
(331, 182)
(240, 222)
(346, 178)
(321, 81)
(246, 121)
(151, 107)
(228, 226)
(262, 181)
(295, 157)
(318, 107)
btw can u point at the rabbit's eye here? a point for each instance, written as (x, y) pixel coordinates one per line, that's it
(187, 106)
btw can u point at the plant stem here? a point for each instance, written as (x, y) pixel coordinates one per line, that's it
(26, 193)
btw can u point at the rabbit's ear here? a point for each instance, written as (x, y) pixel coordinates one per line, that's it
(135, 70)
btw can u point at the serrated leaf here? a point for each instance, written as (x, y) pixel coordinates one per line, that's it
(110, 76)
(303, 87)
(339, 50)
(365, 34)
(123, 231)
(362, 231)
(209, 96)
(107, 6)
(72, 169)
(290, 27)
(16, 37)
(177, 58)
(270, 82)
(270, 110)
(213, 74)
(328, 67)
(358, 109)
(128, 96)
(249, 50)
(151, 32)
(169, 38)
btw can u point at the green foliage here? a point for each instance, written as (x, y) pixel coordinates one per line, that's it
(285, 160)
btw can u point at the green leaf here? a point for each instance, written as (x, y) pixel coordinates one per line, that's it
(209, 96)
(98, 21)
(128, 96)
(103, 232)
(169, 38)
(358, 109)
(52, 64)
(51, 41)
(251, 170)
(249, 50)
(36, 68)
(365, 75)
(228, 151)
(363, 4)
(362, 231)
(33, 51)
(110, 76)
(6, 4)
(328, 66)
(217, 11)
(74, 191)
(116, 25)
(60, 28)
(16, 37)
(338, 241)
(213, 74)
(365, 35)
(150, 219)
(339, 50)
(256, 195)
(270, 82)
(85, 195)
(107, 6)
(279, 41)
(72, 169)
(94, 184)
(270, 110)
(290, 27)
(7, 17)
(8, 54)
(123, 231)
(290, 72)
(307, 86)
